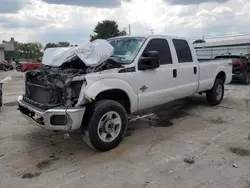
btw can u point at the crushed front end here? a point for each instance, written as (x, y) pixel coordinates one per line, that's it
(49, 87)
(51, 94)
(54, 93)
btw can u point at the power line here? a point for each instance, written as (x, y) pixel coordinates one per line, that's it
(223, 36)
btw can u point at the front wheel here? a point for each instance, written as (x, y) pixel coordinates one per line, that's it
(216, 94)
(106, 126)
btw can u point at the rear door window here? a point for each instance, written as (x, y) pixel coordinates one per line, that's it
(183, 51)
(162, 47)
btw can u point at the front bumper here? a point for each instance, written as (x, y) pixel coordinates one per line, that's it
(57, 119)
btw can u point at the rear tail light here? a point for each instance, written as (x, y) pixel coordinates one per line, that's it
(238, 63)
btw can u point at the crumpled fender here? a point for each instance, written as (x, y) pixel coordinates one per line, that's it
(99, 86)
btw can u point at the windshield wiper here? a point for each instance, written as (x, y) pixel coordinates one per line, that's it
(119, 57)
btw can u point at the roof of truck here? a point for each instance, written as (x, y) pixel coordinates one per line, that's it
(147, 36)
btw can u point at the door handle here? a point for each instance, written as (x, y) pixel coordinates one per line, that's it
(195, 70)
(174, 73)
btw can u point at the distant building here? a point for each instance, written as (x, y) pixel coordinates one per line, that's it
(210, 50)
(2, 58)
(6, 46)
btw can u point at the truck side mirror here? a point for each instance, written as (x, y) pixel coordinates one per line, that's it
(149, 60)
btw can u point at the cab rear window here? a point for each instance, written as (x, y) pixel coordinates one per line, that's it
(183, 51)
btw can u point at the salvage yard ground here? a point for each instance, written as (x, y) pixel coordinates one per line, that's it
(214, 142)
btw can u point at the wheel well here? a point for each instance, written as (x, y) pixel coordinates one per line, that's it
(221, 76)
(116, 95)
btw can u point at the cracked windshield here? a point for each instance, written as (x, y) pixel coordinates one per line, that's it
(126, 48)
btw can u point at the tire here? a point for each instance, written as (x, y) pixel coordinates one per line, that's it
(18, 68)
(247, 78)
(216, 94)
(106, 126)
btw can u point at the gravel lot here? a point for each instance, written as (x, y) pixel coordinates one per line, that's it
(214, 140)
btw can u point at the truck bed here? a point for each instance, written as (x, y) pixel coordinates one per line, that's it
(209, 69)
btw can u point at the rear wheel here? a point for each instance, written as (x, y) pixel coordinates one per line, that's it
(216, 94)
(247, 78)
(106, 126)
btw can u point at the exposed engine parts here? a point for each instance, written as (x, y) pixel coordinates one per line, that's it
(60, 81)
(49, 87)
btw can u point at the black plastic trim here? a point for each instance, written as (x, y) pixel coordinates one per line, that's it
(43, 106)
(130, 69)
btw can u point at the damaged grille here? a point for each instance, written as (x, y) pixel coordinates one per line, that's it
(40, 93)
(48, 87)
(43, 95)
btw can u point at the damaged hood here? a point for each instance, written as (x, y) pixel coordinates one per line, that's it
(91, 54)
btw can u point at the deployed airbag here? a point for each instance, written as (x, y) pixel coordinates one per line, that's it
(91, 53)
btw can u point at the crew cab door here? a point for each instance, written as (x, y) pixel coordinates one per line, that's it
(155, 86)
(187, 76)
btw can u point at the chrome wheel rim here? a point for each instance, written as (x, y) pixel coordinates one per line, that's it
(219, 92)
(109, 126)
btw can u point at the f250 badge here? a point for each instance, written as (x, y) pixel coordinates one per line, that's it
(143, 88)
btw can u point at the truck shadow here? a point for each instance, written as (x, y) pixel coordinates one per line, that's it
(163, 116)
(236, 82)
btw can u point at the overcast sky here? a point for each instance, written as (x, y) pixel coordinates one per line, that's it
(74, 20)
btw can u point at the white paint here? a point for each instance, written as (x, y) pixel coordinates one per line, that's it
(162, 87)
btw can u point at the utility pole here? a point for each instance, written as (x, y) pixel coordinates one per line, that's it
(129, 29)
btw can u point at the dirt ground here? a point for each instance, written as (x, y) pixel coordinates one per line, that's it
(183, 144)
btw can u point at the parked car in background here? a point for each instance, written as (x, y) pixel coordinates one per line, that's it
(31, 66)
(241, 66)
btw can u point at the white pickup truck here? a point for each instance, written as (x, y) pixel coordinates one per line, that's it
(141, 73)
